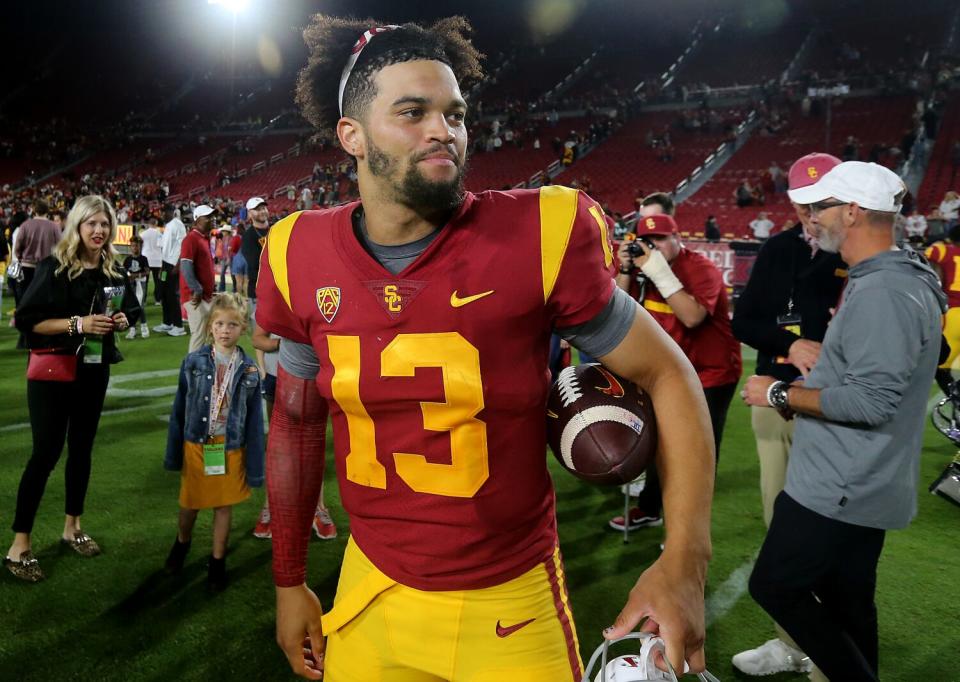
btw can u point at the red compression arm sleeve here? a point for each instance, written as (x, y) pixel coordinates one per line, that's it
(295, 458)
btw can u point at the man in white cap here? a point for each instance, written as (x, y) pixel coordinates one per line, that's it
(783, 313)
(197, 277)
(174, 232)
(252, 245)
(854, 462)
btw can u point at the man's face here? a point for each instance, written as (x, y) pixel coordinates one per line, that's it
(415, 137)
(260, 215)
(829, 227)
(204, 223)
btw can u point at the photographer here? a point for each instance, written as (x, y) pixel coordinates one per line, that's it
(684, 292)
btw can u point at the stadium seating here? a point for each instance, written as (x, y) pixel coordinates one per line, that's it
(941, 174)
(871, 119)
(624, 165)
(742, 56)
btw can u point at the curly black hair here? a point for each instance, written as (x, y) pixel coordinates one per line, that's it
(330, 40)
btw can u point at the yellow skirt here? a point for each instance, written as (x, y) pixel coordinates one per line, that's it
(199, 491)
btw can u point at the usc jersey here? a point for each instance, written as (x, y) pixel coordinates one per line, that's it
(947, 256)
(711, 347)
(437, 377)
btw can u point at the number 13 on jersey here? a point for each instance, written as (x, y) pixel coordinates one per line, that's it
(459, 363)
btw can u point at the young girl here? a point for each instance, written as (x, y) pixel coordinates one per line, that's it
(216, 433)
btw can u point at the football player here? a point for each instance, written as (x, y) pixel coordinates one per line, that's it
(943, 256)
(421, 315)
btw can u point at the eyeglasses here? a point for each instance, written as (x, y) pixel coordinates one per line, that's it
(824, 205)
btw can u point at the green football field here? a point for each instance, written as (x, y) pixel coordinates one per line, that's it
(117, 617)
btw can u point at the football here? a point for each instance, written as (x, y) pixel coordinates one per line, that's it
(601, 427)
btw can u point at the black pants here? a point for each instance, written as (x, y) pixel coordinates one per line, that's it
(718, 402)
(61, 411)
(171, 296)
(817, 577)
(157, 285)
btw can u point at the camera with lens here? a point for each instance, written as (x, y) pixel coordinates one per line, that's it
(634, 248)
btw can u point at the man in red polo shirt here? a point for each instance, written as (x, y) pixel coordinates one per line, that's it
(684, 292)
(196, 274)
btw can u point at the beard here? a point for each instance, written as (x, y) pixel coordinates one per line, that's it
(830, 241)
(414, 189)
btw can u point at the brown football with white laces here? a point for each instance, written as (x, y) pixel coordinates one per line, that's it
(601, 427)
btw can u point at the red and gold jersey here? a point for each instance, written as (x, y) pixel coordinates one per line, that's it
(437, 377)
(947, 257)
(711, 347)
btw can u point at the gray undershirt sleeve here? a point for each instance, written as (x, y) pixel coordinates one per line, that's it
(186, 267)
(607, 329)
(299, 359)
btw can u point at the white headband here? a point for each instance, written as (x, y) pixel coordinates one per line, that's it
(358, 46)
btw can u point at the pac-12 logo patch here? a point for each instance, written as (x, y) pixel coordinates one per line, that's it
(328, 301)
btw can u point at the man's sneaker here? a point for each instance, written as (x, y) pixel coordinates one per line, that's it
(638, 519)
(177, 331)
(144, 330)
(772, 657)
(132, 334)
(323, 525)
(162, 328)
(262, 529)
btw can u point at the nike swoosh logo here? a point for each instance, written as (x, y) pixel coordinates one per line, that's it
(456, 301)
(507, 631)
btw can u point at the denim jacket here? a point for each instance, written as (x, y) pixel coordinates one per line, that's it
(191, 410)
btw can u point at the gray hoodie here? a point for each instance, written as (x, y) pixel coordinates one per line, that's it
(860, 463)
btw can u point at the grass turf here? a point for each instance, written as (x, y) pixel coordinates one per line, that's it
(117, 617)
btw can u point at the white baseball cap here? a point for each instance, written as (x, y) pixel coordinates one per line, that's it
(202, 210)
(253, 202)
(868, 185)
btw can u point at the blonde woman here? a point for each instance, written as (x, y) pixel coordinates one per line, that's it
(78, 298)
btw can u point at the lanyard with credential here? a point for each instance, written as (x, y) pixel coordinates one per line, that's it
(220, 391)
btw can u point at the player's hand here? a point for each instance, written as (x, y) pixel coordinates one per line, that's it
(97, 325)
(669, 595)
(754, 391)
(299, 632)
(623, 254)
(803, 355)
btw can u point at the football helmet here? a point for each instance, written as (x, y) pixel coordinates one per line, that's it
(635, 667)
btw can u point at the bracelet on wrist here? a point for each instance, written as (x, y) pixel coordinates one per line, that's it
(79, 325)
(72, 325)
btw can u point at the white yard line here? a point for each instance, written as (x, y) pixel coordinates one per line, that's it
(105, 413)
(114, 391)
(722, 599)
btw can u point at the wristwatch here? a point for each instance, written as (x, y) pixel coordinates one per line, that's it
(777, 395)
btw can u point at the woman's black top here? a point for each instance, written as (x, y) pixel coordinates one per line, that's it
(52, 295)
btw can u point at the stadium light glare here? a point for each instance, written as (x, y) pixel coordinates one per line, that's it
(235, 6)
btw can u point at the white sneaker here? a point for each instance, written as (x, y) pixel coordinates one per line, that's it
(144, 330)
(132, 334)
(161, 328)
(772, 657)
(177, 331)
